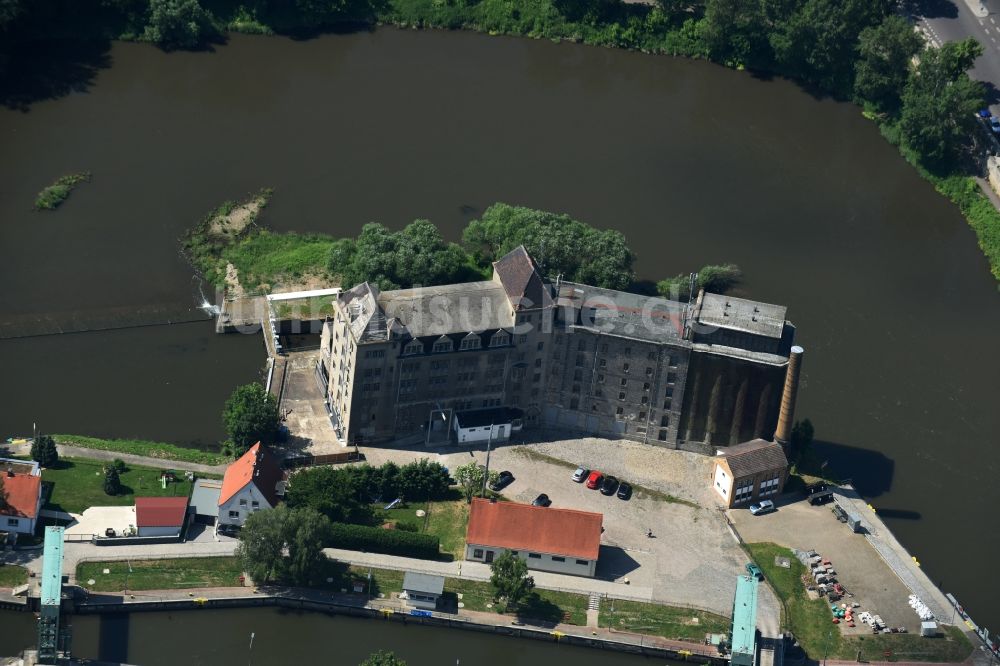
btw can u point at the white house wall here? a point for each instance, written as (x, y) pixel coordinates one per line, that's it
(250, 494)
(501, 432)
(722, 483)
(159, 531)
(545, 561)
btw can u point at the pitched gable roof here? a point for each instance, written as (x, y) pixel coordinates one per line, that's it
(539, 529)
(257, 466)
(526, 290)
(22, 492)
(160, 511)
(754, 457)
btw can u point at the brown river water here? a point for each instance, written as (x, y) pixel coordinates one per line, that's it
(694, 163)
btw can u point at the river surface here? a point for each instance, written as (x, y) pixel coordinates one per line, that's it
(694, 163)
(281, 637)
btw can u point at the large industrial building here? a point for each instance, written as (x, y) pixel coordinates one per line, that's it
(560, 355)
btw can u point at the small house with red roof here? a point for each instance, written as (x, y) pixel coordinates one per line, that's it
(250, 484)
(160, 516)
(558, 540)
(21, 497)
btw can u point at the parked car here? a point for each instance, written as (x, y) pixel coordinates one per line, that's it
(609, 486)
(595, 479)
(504, 479)
(764, 506)
(624, 491)
(755, 571)
(542, 500)
(995, 124)
(821, 497)
(228, 530)
(985, 114)
(580, 475)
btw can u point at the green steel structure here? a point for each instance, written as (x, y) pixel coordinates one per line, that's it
(48, 623)
(745, 621)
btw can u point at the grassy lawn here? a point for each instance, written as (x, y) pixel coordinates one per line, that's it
(667, 621)
(161, 574)
(12, 575)
(142, 447)
(809, 620)
(78, 484)
(265, 259)
(445, 519)
(543, 605)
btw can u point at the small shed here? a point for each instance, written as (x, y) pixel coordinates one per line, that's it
(205, 500)
(928, 628)
(422, 590)
(160, 516)
(480, 425)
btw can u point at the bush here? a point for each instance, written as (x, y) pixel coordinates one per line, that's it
(43, 451)
(389, 542)
(423, 480)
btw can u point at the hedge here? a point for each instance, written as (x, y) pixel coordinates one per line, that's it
(389, 542)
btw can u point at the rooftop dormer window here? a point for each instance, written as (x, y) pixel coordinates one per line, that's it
(443, 344)
(472, 341)
(500, 339)
(413, 347)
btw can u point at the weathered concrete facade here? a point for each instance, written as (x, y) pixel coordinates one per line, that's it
(573, 357)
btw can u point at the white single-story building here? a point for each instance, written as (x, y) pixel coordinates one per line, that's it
(250, 484)
(160, 516)
(22, 485)
(480, 425)
(558, 540)
(422, 590)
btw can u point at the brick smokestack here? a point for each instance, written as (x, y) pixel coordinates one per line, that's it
(786, 417)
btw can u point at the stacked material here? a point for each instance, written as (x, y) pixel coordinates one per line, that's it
(921, 608)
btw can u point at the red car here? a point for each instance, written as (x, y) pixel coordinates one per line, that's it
(594, 480)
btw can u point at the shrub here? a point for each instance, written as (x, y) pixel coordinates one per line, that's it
(423, 480)
(389, 542)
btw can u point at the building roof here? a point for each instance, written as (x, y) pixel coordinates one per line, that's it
(519, 276)
(366, 319)
(453, 308)
(484, 417)
(742, 315)
(614, 312)
(534, 528)
(426, 583)
(754, 457)
(160, 511)
(205, 497)
(23, 491)
(745, 615)
(19, 466)
(258, 466)
(52, 561)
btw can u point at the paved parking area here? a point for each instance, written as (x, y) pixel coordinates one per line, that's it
(305, 411)
(860, 569)
(96, 519)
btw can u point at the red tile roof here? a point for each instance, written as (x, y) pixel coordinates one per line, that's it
(160, 511)
(539, 529)
(22, 495)
(257, 465)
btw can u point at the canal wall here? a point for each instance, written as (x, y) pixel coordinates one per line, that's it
(630, 643)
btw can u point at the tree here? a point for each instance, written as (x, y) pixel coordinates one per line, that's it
(306, 532)
(716, 279)
(423, 480)
(178, 24)
(735, 32)
(510, 579)
(556, 241)
(940, 102)
(250, 416)
(119, 465)
(383, 658)
(470, 477)
(802, 438)
(338, 494)
(112, 482)
(44, 452)
(262, 539)
(884, 54)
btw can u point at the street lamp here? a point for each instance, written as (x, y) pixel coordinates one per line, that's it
(250, 652)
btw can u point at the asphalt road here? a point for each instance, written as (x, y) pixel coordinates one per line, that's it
(953, 20)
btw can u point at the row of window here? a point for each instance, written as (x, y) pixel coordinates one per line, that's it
(471, 341)
(477, 553)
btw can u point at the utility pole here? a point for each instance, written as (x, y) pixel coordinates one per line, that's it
(486, 474)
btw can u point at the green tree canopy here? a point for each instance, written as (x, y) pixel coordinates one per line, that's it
(178, 24)
(417, 255)
(44, 452)
(470, 478)
(250, 416)
(112, 482)
(716, 279)
(265, 534)
(510, 579)
(558, 243)
(335, 493)
(383, 658)
(306, 532)
(940, 102)
(883, 65)
(262, 540)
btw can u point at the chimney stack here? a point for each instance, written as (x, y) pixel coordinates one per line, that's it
(786, 417)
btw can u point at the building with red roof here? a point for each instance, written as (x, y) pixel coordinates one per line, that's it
(22, 487)
(559, 540)
(160, 516)
(250, 484)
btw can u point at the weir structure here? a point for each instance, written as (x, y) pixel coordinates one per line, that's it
(51, 599)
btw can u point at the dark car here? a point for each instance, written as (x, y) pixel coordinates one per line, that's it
(609, 486)
(542, 500)
(624, 491)
(228, 530)
(504, 479)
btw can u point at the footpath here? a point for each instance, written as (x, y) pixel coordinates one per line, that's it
(67, 451)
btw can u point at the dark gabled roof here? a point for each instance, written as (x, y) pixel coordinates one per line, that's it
(520, 279)
(754, 457)
(426, 583)
(484, 417)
